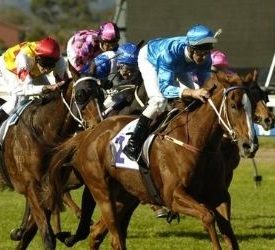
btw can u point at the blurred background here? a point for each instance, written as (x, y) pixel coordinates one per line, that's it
(248, 26)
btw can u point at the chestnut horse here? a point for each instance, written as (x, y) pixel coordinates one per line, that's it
(26, 150)
(138, 97)
(176, 171)
(226, 159)
(261, 116)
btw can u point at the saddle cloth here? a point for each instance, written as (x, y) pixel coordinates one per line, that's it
(13, 118)
(120, 160)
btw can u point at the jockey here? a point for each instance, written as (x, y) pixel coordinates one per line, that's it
(219, 61)
(120, 66)
(115, 69)
(85, 45)
(167, 66)
(24, 63)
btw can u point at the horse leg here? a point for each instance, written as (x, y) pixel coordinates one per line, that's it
(56, 224)
(28, 234)
(102, 196)
(125, 208)
(83, 230)
(184, 203)
(67, 198)
(222, 214)
(98, 232)
(55, 221)
(41, 218)
(16, 233)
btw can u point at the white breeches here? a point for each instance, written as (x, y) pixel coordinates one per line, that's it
(157, 102)
(12, 90)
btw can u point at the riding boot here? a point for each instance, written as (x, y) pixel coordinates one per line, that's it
(3, 116)
(133, 147)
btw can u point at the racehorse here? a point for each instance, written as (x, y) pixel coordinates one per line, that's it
(175, 171)
(27, 148)
(226, 160)
(261, 116)
(137, 97)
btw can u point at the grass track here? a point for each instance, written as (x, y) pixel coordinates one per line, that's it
(253, 215)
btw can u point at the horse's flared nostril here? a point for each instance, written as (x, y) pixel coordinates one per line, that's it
(269, 122)
(246, 146)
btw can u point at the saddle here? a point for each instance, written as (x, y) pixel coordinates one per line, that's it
(143, 165)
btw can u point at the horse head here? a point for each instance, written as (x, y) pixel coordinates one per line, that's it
(87, 101)
(259, 98)
(235, 113)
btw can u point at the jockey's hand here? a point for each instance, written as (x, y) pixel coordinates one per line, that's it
(49, 88)
(106, 84)
(200, 94)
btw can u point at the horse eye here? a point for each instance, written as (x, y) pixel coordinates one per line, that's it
(237, 106)
(233, 106)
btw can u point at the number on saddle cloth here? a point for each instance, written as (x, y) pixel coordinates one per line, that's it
(120, 141)
(122, 161)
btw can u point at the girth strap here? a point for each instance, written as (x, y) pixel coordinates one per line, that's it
(148, 182)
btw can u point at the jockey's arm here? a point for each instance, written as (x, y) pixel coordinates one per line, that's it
(189, 87)
(200, 94)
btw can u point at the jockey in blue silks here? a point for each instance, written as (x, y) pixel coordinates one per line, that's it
(168, 67)
(114, 69)
(121, 64)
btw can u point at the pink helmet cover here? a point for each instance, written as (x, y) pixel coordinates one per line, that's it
(219, 59)
(109, 31)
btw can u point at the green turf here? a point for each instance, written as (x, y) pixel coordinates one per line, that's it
(253, 217)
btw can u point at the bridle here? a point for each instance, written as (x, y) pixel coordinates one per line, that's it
(223, 111)
(81, 121)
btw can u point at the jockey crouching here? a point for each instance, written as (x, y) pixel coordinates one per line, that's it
(168, 67)
(85, 45)
(115, 69)
(21, 65)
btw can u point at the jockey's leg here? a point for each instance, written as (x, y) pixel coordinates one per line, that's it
(7, 108)
(156, 105)
(3, 116)
(133, 148)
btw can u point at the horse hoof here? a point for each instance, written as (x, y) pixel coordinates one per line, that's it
(70, 241)
(62, 236)
(161, 213)
(16, 234)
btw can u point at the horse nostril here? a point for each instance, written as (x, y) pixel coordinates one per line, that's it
(268, 120)
(246, 146)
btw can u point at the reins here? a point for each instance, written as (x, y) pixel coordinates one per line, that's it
(80, 120)
(223, 110)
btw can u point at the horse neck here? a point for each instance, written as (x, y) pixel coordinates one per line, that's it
(60, 118)
(201, 127)
(92, 113)
(69, 124)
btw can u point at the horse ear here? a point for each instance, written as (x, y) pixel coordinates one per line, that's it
(255, 75)
(211, 90)
(232, 78)
(247, 78)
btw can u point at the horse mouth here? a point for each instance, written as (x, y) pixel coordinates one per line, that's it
(248, 150)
